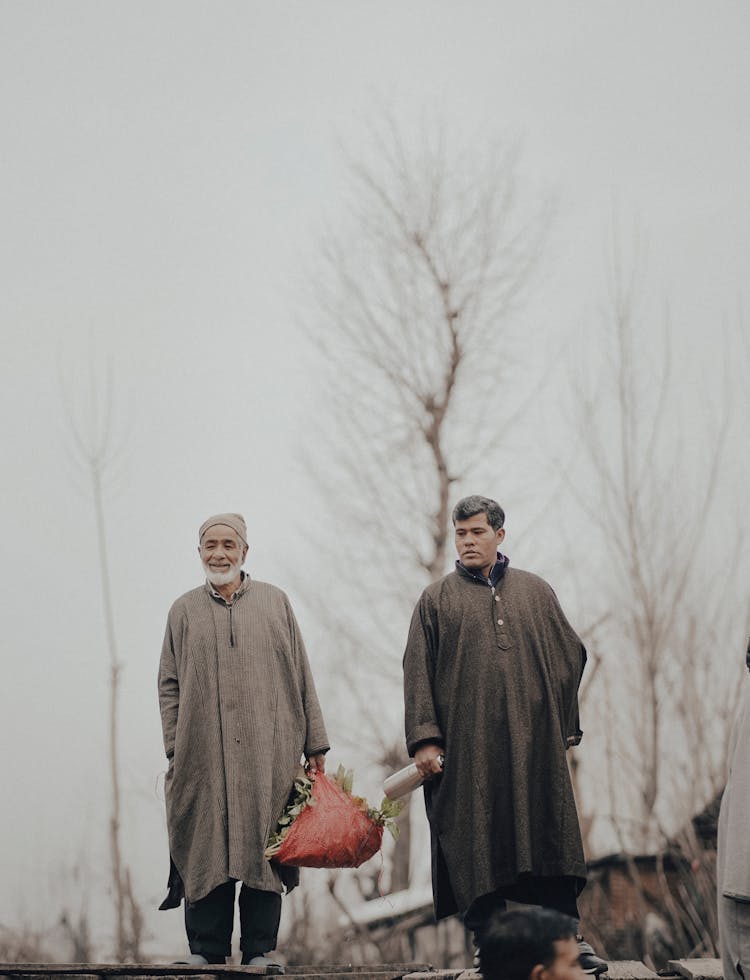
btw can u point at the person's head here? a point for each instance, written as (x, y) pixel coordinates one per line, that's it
(530, 944)
(478, 527)
(222, 546)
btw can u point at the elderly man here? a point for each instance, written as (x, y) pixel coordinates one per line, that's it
(239, 710)
(491, 675)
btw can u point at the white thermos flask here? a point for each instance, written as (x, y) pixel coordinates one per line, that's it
(405, 781)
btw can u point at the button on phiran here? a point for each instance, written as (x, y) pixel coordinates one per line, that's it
(499, 622)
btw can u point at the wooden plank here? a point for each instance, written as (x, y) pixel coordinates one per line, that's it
(10, 971)
(372, 974)
(332, 969)
(435, 975)
(124, 969)
(176, 973)
(383, 970)
(691, 969)
(211, 971)
(698, 969)
(145, 971)
(7, 972)
(629, 970)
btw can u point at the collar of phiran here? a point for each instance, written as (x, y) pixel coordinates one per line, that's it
(496, 572)
(218, 597)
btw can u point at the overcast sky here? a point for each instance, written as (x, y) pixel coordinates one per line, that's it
(167, 169)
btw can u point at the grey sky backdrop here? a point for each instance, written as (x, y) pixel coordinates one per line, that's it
(167, 169)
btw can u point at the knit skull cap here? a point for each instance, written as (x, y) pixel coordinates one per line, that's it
(235, 521)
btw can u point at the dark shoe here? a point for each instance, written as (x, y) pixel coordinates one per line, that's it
(270, 966)
(590, 962)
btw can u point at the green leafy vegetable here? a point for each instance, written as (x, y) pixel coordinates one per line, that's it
(300, 798)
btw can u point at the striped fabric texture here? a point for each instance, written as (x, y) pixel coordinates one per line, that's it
(239, 709)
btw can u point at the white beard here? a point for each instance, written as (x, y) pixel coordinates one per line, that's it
(222, 578)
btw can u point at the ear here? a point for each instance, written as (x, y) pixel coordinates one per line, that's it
(500, 534)
(245, 550)
(536, 972)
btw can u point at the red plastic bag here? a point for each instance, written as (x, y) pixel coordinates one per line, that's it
(333, 833)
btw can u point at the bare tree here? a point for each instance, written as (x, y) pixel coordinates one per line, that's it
(417, 305)
(668, 677)
(96, 452)
(653, 491)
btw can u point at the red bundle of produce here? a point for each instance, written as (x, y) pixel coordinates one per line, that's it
(331, 829)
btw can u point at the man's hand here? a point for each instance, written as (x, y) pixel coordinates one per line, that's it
(316, 763)
(427, 759)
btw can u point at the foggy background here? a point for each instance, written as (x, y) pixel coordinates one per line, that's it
(169, 172)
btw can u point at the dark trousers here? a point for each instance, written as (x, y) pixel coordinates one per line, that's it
(559, 893)
(209, 921)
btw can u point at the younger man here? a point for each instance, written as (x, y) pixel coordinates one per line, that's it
(530, 944)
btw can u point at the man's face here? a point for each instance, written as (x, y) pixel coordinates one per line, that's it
(565, 965)
(222, 553)
(477, 542)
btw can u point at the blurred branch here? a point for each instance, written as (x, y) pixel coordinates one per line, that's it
(93, 440)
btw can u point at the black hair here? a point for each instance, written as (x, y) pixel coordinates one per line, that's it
(469, 506)
(512, 943)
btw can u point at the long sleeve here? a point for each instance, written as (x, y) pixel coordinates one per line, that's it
(421, 721)
(169, 691)
(569, 666)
